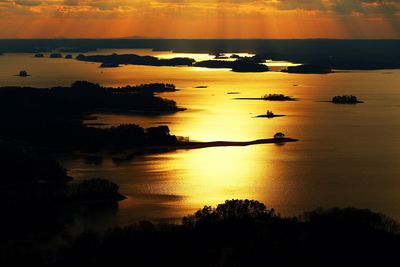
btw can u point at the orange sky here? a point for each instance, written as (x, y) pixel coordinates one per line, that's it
(200, 19)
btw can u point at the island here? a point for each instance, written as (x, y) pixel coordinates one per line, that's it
(133, 59)
(269, 114)
(55, 55)
(239, 65)
(63, 129)
(39, 55)
(235, 56)
(220, 56)
(149, 88)
(278, 97)
(269, 97)
(23, 73)
(345, 99)
(244, 66)
(309, 69)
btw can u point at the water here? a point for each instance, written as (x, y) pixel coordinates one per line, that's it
(348, 155)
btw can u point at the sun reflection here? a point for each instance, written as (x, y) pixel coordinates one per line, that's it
(214, 175)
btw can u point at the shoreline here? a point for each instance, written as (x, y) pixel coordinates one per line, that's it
(127, 155)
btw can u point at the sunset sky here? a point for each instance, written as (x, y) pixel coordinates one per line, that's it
(200, 18)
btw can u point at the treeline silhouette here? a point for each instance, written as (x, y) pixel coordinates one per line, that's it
(310, 69)
(236, 233)
(248, 64)
(152, 87)
(134, 59)
(83, 96)
(337, 54)
(36, 194)
(54, 117)
(345, 99)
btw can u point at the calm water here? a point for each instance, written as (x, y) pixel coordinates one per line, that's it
(348, 155)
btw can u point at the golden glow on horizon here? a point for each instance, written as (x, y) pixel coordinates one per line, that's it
(201, 19)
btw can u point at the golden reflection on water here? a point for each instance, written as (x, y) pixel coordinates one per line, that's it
(214, 175)
(326, 168)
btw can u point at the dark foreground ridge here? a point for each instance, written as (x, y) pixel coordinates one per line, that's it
(236, 233)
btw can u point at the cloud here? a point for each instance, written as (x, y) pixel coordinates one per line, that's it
(127, 8)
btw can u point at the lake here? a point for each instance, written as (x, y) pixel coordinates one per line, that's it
(348, 155)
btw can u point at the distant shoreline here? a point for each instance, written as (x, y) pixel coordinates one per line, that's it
(337, 54)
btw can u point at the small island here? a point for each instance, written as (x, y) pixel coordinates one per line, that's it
(220, 56)
(23, 73)
(346, 99)
(269, 114)
(39, 55)
(270, 97)
(278, 97)
(55, 55)
(309, 69)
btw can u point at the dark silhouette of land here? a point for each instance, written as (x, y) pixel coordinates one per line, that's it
(270, 97)
(235, 233)
(269, 114)
(23, 73)
(37, 197)
(53, 120)
(345, 99)
(336, 54)
(132, 59)
(109, 65)
(114, 60)
(86, 97)
(309, 69)
(239, 65)
(56, 55)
